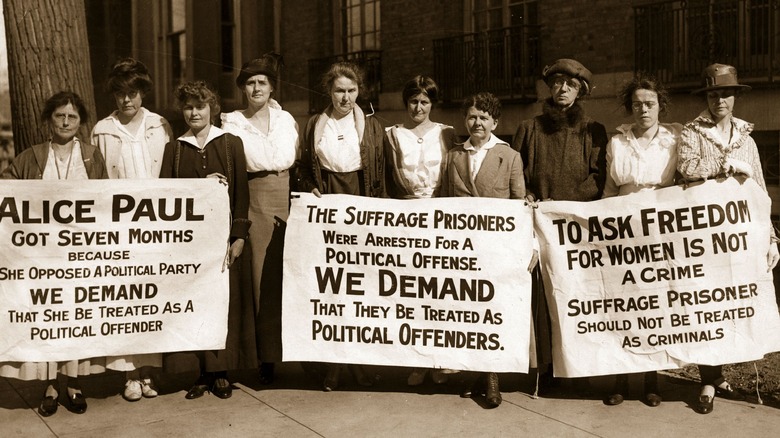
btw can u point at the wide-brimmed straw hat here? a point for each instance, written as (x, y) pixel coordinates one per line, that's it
(718, 77)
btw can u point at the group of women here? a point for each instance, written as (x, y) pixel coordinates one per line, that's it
(256, 153)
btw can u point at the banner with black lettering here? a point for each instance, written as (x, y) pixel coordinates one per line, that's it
(108, 267)
(438, 283)
(656, 280)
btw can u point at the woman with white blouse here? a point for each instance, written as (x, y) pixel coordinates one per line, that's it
(270, 137)
(642, 156)
(414, 152)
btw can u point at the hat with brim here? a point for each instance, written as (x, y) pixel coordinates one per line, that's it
(719, 77)
(267, 65)
(571, 68)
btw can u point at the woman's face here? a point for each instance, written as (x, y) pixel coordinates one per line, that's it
(65, 122)
(128, 103)
(197, 114)
(419, 108)
(480, 125)
(343, 93)
(645, 108)
(258, 90)
(565, 90)
(721, 102)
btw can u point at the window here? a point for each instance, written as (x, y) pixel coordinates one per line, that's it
(497, 14)
(676, 39)
(177, 42)
(361, 25)
(229, 53)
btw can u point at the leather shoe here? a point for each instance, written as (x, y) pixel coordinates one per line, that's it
(78, 404)
(196, 391)
(492, 393)
(222, 388)
(614, 399)
(48, 406)
(705, 404)
(652, 399)
(476, 389)
(729, 393)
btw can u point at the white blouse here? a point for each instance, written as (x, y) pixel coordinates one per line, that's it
(71, 167)
(275, 151)
(339, 147)
(632, 168)
(421, 158)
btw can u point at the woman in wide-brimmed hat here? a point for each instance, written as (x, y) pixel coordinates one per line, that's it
(715, 145)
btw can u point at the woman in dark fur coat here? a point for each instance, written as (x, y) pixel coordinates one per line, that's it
(564, 154)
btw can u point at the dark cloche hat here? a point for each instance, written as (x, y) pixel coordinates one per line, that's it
(568, 67)
(267, 64)
(718, 77)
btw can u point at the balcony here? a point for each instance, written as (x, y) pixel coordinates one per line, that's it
(371, 63)
(504, 62)
(675, 40)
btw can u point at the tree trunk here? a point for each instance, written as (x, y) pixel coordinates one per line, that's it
(48, 52)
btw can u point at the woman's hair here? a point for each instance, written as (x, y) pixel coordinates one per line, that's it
(200, 92)
(420, 85)
(129, 74)
(483, 101)
(61, 99)
(268, 65)
(342, 69)
(644, 81)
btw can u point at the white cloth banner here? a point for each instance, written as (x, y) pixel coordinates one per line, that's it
(659, 279)
(438, 283)
(106, 267)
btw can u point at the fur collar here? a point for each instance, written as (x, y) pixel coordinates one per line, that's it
(554, 118)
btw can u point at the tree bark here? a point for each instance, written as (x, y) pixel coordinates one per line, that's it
(48, 52)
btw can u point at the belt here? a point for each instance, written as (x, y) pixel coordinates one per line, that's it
(262, 173)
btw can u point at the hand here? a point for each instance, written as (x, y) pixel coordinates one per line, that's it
(733, 165)
(534, 261)
(772, 256)
(222, 178)
(235, 250)
(316, 192)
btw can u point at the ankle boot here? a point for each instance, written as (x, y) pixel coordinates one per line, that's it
(492, 392)
(652, 394)
(620, 391)
(332, 377)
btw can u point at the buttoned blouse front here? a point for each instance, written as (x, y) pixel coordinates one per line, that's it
(275, 151)
(632, 167)
(421, 158)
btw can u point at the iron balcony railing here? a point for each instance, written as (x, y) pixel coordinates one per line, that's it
(371, 63)
(675, 40)
(503, 61)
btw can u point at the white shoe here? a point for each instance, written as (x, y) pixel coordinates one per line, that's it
(132, 390)
(148, 389)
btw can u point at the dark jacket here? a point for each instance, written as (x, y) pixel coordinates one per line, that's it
(564, 153)
(31, 162)
(308, 167)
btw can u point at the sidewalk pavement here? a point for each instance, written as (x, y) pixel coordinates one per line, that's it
(294, 406)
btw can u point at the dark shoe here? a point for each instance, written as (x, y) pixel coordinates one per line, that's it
(729, 393)
(48, 406)
(266, 373)
(222, 388)
(78, 404)
(476, 389)
(704, 405)
(492, 393)
(332, 377)
(652, 399)
(197, 391)
(614, 399)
